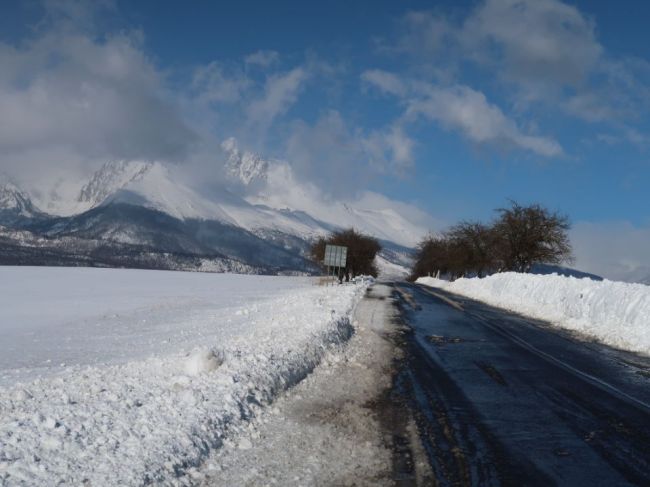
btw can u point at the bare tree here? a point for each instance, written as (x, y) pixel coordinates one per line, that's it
(530, 235)
(520, 237)
(473, 246)
(362, 250)
(432, 256)
(317, 250)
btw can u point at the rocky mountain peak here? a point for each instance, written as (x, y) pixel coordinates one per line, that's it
(13, 199)
(113, 176)
(245, 166)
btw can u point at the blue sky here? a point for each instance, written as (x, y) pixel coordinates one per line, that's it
(453, 106)
(594, 180)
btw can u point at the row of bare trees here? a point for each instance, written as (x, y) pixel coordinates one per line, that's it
(518, 238)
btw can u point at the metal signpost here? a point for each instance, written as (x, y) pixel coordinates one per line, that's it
(336, 258)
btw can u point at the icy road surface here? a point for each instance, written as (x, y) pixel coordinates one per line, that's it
(502, 399)
(614, 313)
(113, 376)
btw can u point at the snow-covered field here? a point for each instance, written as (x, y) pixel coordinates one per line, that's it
(615, 313)
(111, 376)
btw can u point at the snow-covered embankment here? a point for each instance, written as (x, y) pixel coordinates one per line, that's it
(615, 313)
(327, 429)
(185, 362)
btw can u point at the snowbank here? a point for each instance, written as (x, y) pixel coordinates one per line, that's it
(615, 313)
(323, 431)
(166, 369)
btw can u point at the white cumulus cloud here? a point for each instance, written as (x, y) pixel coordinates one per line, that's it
(66, 95)
(461, 108)
(281, 91)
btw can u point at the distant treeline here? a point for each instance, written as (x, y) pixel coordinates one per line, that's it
(519, 237)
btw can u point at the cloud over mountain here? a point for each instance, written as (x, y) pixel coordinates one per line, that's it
(67, 96)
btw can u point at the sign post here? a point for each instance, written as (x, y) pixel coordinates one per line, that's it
(336, 257)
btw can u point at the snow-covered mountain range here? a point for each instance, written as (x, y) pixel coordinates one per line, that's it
(144, 206)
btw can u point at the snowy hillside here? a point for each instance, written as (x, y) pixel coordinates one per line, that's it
(389, 270)
(21, 247)
(112, 177)
(615, 313)
(369, 212)
(281, 204)
(134, 377)
(155, 187)
(260, 216)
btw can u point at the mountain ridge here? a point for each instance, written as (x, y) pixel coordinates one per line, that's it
(151, 184)
(139, 208)
(111, 177)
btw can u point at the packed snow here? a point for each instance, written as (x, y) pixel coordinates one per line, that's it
(113, 376)
(615, 313)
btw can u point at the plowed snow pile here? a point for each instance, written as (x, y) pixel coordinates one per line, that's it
(124, 377)
(615, 313)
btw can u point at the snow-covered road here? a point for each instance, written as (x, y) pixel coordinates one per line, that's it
(125, 376)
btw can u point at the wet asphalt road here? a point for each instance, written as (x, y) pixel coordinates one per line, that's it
(504, 400)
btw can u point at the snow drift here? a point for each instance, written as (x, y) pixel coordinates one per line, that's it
(615, 313)
(128, 377)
